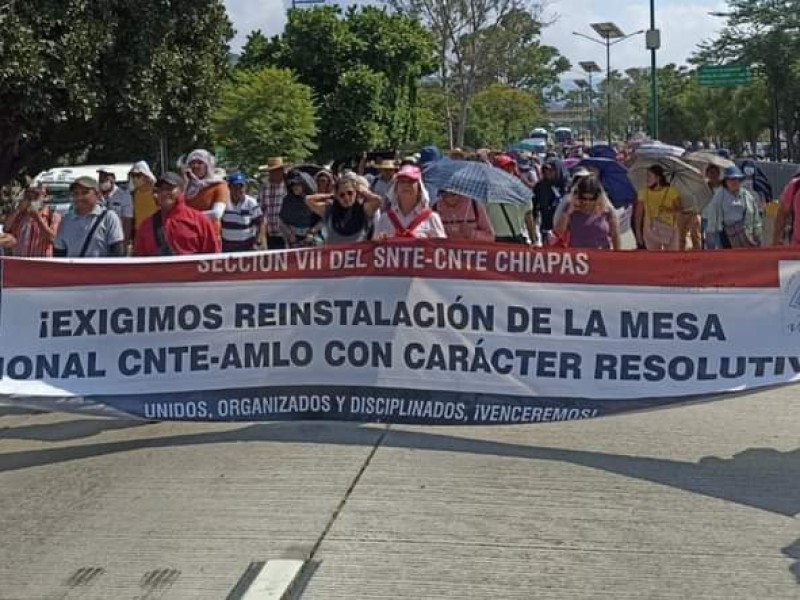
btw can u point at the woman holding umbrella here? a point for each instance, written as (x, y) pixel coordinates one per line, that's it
(588, 219)
(734, 213)
(463, 218)
(656, 212)
(408, 215)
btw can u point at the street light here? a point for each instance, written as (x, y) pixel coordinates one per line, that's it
(608, 32)
(589, 67)
(582, 85)
(653, 43)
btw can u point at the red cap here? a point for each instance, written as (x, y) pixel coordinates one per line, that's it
(409, 172)
(504, 161)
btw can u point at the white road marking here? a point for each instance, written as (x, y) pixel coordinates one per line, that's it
(274, 580)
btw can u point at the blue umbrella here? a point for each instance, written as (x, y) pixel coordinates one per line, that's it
(602, 151)
(475, 180)
(614, 178)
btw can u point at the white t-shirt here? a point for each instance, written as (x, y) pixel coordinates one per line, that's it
(431, 227)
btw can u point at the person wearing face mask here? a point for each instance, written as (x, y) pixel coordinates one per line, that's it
(33, 224)
(115, 199)
(734, 213)
(349, 213)
(144, 197)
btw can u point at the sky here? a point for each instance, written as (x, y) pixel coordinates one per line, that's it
(683, 24)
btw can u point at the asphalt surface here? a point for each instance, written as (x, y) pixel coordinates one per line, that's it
(692, 502)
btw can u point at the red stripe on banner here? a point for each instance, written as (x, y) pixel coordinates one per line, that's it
(439, 259)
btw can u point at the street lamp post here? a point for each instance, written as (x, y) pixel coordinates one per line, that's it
(608, 32)
(590, 67)
(653, 43)
(582, 85)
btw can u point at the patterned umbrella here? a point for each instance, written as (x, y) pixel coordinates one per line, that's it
(689, 181)
(487, 184)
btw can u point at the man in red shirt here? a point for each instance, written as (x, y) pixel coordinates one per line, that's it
(176, 228)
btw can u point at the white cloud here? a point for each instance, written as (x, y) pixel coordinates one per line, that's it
(267, 15)
(683, 25)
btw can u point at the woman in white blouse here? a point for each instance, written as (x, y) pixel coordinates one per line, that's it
(409, 214)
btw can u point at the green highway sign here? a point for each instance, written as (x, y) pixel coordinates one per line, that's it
(724, 75)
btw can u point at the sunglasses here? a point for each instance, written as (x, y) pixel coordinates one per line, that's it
(588, 199)
(347, 194)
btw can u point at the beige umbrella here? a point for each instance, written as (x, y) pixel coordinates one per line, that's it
(688, 180)
(702, 159)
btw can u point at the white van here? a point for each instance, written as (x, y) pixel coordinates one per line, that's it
(58, 179)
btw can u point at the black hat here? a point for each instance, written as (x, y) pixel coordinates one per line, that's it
(169, 179)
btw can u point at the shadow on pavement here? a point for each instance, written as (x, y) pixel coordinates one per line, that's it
(14, 411)
(68, 430)
(793, 551)
(758, 477)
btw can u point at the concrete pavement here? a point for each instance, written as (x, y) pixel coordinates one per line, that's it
(693, 502)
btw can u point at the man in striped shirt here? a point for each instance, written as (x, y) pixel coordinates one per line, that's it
(34, 224)
(271, 199)
(242, 221)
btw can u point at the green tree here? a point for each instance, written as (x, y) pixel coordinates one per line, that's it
(501, 114)
(105, 80)
(265, 113)
(346, 56)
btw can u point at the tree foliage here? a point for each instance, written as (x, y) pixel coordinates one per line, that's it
(104, 79)
(364, 65)
(265, 113)
(482, 42)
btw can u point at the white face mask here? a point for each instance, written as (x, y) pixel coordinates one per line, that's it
(107, 186)
(749, 171)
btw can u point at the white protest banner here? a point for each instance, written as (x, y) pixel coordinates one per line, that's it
(404, 332)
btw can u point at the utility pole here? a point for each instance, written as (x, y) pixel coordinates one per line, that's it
(653, 43)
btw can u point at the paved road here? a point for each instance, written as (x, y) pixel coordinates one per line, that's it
(694, 502)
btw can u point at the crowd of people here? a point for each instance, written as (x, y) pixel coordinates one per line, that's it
(200, 211)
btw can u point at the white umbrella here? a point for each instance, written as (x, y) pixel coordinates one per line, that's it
(688, 180)
(701, 159)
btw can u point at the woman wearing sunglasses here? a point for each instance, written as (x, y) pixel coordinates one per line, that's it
(349, 213)
(588, 220)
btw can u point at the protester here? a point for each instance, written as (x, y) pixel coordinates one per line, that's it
(788, 214)
(242, 221)
(714, 180)
(409, 215)
(176, 228)
(734, 213)
(589, 220)
(205, 190)
(116, 199)
(462, 216)
(299, 225)
(507, 225)
(546, 198)
(690, 226)
(382, 184)
(457, 154)
(348, 215)
(144, 196)
(325, 181)
(655, 214)
(428, 155)
(90, 230)
(33, 224)
(270, 197)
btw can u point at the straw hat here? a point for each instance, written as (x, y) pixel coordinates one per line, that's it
(386, 165)
(272, 164)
